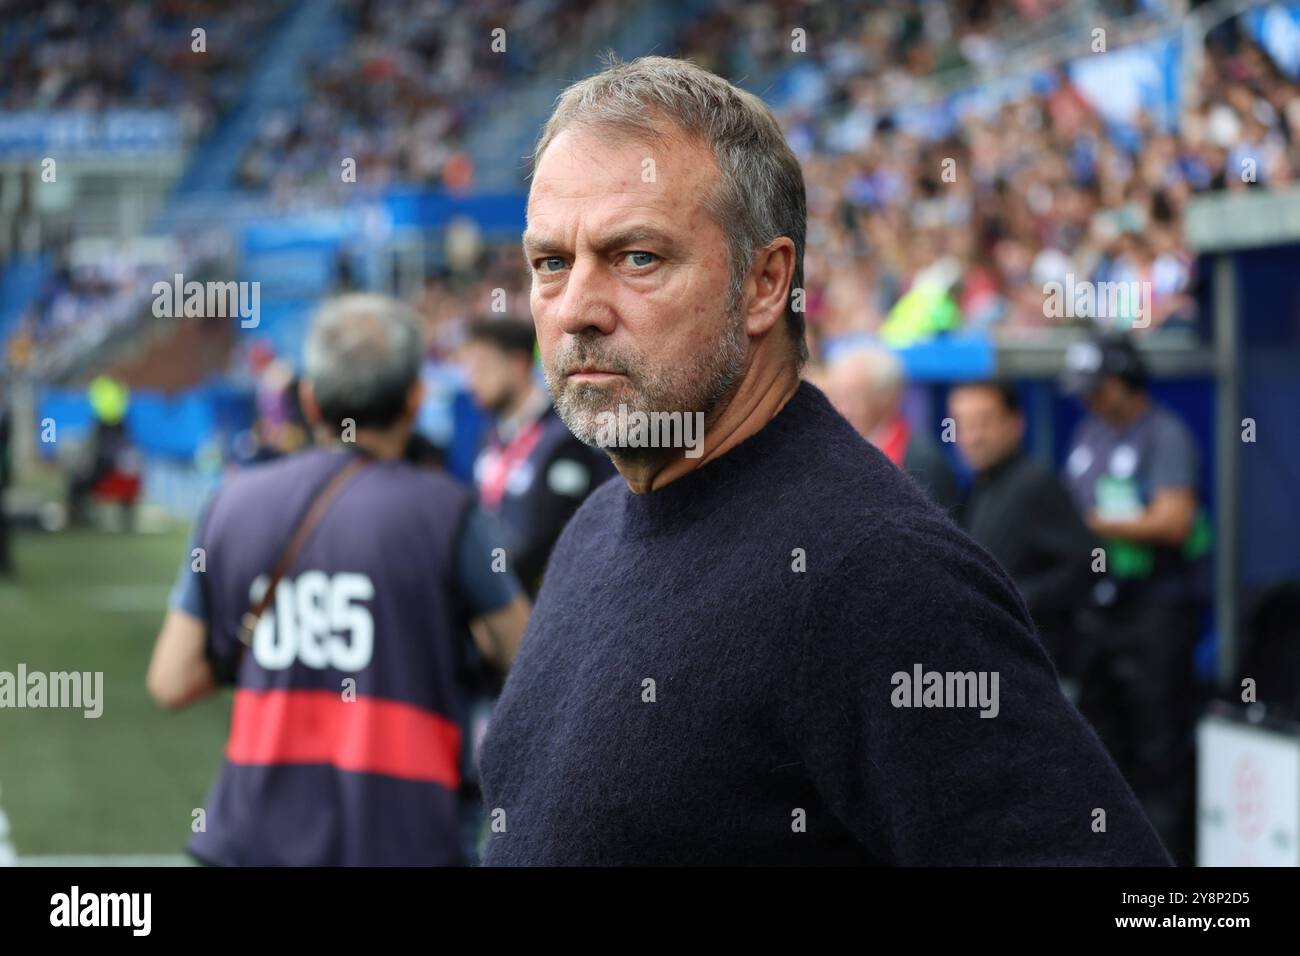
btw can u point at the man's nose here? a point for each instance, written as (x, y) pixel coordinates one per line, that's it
(586, 303)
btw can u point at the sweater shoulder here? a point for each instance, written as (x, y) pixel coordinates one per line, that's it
(874, 523)
(844, 486)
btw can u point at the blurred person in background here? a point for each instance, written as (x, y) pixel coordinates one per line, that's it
(332, 588)
(532, 474)
(866, 386)
(279, 427)
(1133, 472)
(1022, 514)
(110, 466)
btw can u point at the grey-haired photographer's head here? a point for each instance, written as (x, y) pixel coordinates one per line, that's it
(362, 369)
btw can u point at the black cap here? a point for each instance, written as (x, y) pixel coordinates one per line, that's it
(1087, 363)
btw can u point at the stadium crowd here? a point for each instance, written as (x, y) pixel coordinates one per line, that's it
(95, 292)
(914, 230)
(979, 219)
(142, 55)
(412, 80)
(1004, 200)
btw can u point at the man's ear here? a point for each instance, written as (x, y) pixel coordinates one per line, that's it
(414, 399)
(307, 399)
(769, 282)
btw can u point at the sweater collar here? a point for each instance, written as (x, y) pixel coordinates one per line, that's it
(683, 501)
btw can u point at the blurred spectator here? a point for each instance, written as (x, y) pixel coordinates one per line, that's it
(402, 95)
(96, 55)
(1005, 195)
(1133, 471)
(110, 469)
(280, 426)
(409, 554)
(533, 473)
(866, 387)
(923, 219)
(1272, 647)
(451, 302)
(98, 289)
(1022, 514)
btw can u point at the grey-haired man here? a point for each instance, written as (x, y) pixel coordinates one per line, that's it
(346, 735)
(772, 649)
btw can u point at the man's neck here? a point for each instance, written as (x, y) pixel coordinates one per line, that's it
(382, 445)
(761, 394)
(525, 408)
(1001, 465)
(1134, 409)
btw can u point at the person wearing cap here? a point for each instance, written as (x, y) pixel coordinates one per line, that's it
(1132, 469)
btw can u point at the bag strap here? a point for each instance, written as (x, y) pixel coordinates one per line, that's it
(319, 505)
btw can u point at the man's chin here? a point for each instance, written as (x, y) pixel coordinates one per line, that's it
(591, 416)
(585, 426)
(597, 390)
(588, 401)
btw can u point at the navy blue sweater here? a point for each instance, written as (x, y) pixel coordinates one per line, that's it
(714, 673)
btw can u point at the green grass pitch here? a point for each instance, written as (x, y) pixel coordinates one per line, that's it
(127, 782)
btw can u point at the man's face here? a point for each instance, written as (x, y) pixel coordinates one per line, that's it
(1106, 401)
(630, 285)
(852, 393)
(494, 376)
(987, 431)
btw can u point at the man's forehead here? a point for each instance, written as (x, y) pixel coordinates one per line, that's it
(612, 170)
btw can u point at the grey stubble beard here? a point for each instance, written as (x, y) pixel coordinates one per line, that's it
(701, 387)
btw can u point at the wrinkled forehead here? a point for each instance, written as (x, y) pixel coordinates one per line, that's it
(597, 175)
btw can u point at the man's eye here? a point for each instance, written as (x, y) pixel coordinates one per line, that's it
(640, 259)
(549, 264)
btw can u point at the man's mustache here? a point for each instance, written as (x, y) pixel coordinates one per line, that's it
(584, 356)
